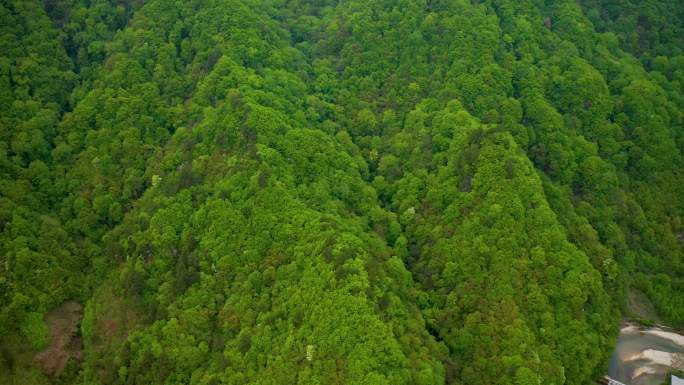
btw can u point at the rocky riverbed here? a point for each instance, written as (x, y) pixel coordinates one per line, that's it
(643, 356)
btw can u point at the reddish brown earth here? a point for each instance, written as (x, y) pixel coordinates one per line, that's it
(63, 324)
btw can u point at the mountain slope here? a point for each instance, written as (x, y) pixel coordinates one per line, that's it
(365, 192)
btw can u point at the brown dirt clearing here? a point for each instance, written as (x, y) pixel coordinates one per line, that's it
(63, 323)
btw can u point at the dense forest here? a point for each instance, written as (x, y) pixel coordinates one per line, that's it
(336, 191)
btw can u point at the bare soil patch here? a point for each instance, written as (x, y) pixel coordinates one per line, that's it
(63, 323)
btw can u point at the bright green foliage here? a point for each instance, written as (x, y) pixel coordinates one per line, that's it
(35, 251)
(35, 330)
(357, 191)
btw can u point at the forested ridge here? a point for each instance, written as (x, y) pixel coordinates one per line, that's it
(337, 191)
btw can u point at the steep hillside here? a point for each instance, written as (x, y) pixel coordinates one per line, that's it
(328, 192)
